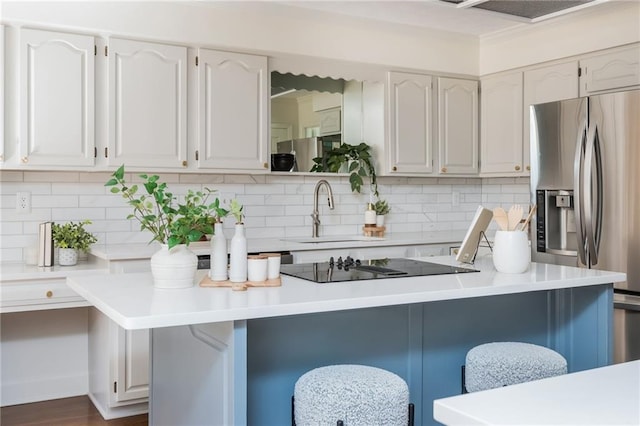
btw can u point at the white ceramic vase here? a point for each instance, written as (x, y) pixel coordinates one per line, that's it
(238, 256)
(175, 268)
(380, 220)
(218, 266)
(67, 256)
(511, 252)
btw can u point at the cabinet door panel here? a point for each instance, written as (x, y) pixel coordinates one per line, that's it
(410, 128)
(458, 125)
(57, 92)
(547, 84)
(148, 104)
(501, 138)
(233, 111)
(132, 364)
(615, 70)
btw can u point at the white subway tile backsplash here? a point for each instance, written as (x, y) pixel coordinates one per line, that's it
(275, 205)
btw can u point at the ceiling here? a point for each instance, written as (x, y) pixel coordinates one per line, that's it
(471, 17)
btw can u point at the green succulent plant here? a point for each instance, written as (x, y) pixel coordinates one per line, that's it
(381, 207)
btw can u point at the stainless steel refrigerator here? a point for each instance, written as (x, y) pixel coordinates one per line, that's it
(585, 180)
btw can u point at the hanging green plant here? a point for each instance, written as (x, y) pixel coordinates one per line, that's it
(359, 163)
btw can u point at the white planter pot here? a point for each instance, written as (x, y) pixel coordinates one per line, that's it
(175, 268)
(380, 220)
(67, 256)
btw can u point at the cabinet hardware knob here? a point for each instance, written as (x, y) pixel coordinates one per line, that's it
(528, 168)
(517, 168)
(24, 159)
(49, 294)
(394, 168)
(443, 170)
(265, 165)
(184, 163)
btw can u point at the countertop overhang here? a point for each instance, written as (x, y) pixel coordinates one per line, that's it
(133, 303)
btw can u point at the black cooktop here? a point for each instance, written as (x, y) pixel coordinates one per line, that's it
(354, 270)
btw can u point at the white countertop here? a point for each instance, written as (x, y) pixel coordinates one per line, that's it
(256, 245)
(21, 271)
(132, 302)
(602, 396)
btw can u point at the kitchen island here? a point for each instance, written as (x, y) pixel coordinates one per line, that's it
(229, 357)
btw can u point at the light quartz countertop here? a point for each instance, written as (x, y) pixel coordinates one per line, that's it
(601, 396)
(21, 271)
(132, 301)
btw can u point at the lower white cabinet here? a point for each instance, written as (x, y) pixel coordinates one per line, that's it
(118, 367)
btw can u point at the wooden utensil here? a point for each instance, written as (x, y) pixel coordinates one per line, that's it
(514, 216)
(529, 216)
(500, 216)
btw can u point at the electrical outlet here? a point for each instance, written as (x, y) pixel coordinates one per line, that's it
(23, 202)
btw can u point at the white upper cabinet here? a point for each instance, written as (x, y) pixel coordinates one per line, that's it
(547, 84)
(501, 134)
(233, 127)
(56, 92)
(618, 70)
(457, 126)
(147, 104)
(2, 102)
(410, 140)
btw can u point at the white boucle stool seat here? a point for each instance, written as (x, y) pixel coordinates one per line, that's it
(358, 395)
(498, 364)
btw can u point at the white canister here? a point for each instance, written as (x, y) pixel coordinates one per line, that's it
(273, 265)
(257, 268)
(511, 252)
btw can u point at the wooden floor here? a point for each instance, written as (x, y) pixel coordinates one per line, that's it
(76, 411)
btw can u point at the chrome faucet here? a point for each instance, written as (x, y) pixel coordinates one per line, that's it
(315, 215)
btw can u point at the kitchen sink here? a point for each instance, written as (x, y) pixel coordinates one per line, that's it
(332, 239)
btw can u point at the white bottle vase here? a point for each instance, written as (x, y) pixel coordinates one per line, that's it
(218, 268)
(238, 259)
(175, 268)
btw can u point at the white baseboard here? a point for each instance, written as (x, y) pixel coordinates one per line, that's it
(24, 392)
(109, 413)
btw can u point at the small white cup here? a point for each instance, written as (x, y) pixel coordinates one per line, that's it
(257, 268)
(273, 260)
(511, 252)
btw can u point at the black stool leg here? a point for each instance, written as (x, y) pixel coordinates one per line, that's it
(411, 413)
(293, 413)
(340, 423)
(464, 381)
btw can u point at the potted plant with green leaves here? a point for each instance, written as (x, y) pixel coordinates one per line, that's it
(172, 224)
(382, 208)
(357, 160)
(238, 249)
(70, 238)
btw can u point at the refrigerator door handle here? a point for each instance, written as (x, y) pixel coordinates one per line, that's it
(578, 186)
(592, 195)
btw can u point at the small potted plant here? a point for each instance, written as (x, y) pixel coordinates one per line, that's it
(382, 208)
(71, 238)
(172, 224)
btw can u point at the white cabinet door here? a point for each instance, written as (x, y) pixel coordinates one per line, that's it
(457, 126)
(131, 364)
(57, 99)
(147, 104)
(501, 135)
(618, 70)
(233, 118)
(547, 84)
(410, 141)
(2, 102)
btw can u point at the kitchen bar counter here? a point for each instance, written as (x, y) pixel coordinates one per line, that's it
(601, 396)
(133, 303)
(252, 346)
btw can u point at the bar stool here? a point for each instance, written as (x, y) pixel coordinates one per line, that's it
(498, 364)
(351, 395)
